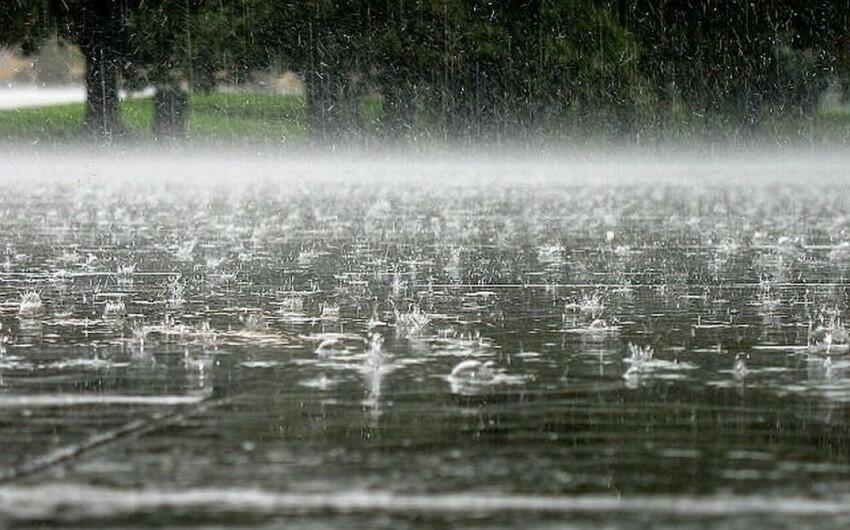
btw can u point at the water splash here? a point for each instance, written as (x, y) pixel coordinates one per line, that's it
(30, 304)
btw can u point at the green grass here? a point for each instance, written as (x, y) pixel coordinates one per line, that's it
(219, 116)
(227, 117)
(59, 122)
(237, 116)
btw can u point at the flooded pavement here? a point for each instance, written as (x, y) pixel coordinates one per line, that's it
(405, 355)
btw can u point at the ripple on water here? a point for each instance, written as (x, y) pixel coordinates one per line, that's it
(290, 288)
(70, 502)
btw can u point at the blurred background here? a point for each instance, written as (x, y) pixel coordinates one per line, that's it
(355, 71)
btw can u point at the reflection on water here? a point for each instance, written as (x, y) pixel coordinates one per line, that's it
(416, 356)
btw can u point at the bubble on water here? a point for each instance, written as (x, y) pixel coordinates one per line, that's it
(331, 343)
(632, 376)
(473, 370)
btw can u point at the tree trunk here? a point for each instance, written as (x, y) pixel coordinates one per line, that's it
(170, 112)
(100, 26)
(102, 115)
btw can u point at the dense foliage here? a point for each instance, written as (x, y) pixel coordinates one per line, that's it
(461, 68)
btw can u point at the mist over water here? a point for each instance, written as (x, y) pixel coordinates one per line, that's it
(235, 167)
(396, 339)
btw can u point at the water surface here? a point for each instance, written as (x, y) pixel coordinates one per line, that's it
(280, 350)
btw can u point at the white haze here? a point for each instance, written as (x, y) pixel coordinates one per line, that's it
(203, 167)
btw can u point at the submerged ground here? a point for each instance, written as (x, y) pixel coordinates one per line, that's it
(230, 340)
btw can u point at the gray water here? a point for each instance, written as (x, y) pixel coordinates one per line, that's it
(256, 342)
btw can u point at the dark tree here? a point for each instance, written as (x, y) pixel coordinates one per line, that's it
(98, 27)
(499, 69)
(161, 55)
(735, 60)
(459, 68)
